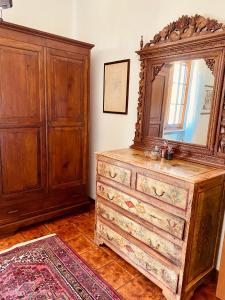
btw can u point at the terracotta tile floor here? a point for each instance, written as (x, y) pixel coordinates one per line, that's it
(78, 232)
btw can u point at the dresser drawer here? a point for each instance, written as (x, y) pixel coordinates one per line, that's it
(168, 222)
(150, 264)
(155, 241)
(114, 173)
(166, 192)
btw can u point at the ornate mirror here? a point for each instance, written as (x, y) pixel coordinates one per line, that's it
(181, 92)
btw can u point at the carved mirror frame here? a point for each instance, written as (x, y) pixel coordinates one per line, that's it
(187, 38)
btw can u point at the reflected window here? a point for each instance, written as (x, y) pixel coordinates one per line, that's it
(177, 95)
(187, 94)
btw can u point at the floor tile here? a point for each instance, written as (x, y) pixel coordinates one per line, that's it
(97, 258)
(81, 244)
(205, 292)
(128, 267)
(84, 224)
(57, 224)
(34, 232)
(115, 275)
(90, 214)
(112, 254)
(90, 236)
(81, 219)
(66, 232)
(11, 240)
(140, 288)
(87, 230)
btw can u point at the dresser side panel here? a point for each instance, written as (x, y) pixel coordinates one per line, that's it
(204, 232)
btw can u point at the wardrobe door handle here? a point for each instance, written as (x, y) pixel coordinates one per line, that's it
(156, 194)
(112, 176)
(110, 198)
(13, 212)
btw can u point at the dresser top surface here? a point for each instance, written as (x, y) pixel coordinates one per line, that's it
(182, 169)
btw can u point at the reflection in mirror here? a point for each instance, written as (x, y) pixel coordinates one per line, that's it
(187, 101)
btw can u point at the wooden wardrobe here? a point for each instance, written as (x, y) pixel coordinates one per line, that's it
(44, 115)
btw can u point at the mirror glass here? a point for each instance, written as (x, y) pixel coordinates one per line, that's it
(188, 94)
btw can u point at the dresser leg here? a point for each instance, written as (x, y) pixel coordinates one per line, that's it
(98, 240)
(167, 295)
(163, 297)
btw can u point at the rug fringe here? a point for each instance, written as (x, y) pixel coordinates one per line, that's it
(27, 243)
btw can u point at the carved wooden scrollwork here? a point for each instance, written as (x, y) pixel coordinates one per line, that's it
(138, 125)
(210, 63)
(222, 131)
(222, 143)
(156, 70)
(186, 27)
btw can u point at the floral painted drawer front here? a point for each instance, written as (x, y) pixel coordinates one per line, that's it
(170, 223)
(115, 173)
(168, 193)
(139, 257)
(156, 242)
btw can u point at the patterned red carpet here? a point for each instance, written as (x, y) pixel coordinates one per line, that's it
(48, 269)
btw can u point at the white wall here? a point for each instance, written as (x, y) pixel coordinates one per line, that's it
(115, 27)
(53, 16)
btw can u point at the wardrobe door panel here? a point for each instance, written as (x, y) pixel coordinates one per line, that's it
(67, 76)
(20, 85)
(21, 164)
(66, 87)
(22, 120)
(65, 156)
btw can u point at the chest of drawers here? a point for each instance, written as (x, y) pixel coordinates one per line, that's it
(163, 217)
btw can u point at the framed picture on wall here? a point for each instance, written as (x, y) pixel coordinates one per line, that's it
(208, 96)
(116, 87)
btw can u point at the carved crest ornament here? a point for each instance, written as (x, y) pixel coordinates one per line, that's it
(186, 27)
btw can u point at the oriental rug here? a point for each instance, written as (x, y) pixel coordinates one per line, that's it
(48, 269)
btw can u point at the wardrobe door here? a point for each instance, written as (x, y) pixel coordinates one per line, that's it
(22, 124)
(67, 75)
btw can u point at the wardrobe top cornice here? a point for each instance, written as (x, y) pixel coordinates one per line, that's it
(42, 34)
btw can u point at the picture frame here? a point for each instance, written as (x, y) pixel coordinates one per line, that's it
(208, 97)
(116, 87)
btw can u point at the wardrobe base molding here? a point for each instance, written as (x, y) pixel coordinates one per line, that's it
(13, 227)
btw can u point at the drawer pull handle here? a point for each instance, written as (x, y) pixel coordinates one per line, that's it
(101, 188)
(13, 212)
(110, 198)
(156, 194)
(152, 216)
(112, 175)
(109, 237)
